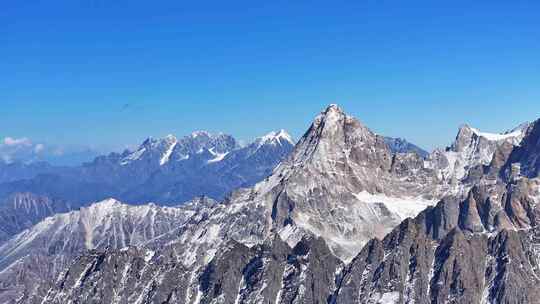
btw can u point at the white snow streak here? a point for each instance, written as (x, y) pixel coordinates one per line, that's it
(165, 158)
(495, 136)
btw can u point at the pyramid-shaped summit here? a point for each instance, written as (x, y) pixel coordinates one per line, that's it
(340, 183)
(336, 140)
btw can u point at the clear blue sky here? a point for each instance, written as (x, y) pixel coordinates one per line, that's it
(109, 73)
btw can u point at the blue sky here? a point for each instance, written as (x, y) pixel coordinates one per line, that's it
(107, 74)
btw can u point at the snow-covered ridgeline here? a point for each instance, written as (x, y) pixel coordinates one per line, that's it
(170, 148)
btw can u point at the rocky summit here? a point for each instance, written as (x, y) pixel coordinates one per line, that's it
(344, 218)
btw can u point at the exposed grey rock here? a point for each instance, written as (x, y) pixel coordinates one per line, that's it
(465, 161)
(269, 273)
(527, 155)
(472, 251)
(427, 259)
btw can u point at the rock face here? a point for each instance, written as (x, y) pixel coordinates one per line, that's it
(471, 151)
(480, 250)
(167, 171)
(427, 259)
(343, 219)
(269, 273)
(526, 158)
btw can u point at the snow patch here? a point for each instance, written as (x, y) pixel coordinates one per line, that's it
(403, 207)
(217, 156)
(388, 298)
(497, 137)
(167, 155)
(291, 235)
(149, 255)
(133, 156)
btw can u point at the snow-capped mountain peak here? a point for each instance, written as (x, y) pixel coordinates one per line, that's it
(523, 127)
(170, 149)
(276, 138)
(334, 135)
(330, 117)
(200, 133)
(333, 108)
(171, 143)
(515, 133)
(337, 171)
(171, 138)
(160, 149)
(472, 148)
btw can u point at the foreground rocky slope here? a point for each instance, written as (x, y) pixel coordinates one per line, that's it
(31, 259)
(447, 254)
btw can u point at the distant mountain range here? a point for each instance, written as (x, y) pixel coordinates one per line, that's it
(401, 145)
(14, 171)
(165, 171)
(345, 217)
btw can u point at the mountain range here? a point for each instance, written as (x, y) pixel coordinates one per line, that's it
(170, 170)
(166, 171)
(346, 216)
